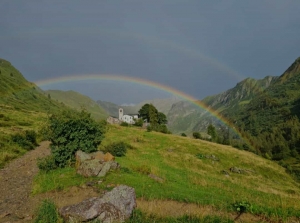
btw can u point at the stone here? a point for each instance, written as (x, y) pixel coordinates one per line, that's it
(81, 157)
(90, 168)
(99, 155)
(225, 172)
(236, 170)
(156, 178)
(114, 165)
(115, 206)
(104, 170)
(108, 157)
(212, 157)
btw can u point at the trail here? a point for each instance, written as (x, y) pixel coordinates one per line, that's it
(15, 186)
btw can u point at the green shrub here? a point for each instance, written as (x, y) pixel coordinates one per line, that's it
(47, 163)
(242, 207)
(71, 131)
(26, 140)
(47, 213)
(197, 135)
(124, 124)
(139, 122)
(183, 134)
(118, 148)
(149, 128)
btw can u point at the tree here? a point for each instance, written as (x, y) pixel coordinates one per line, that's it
(162, 119)
(211, 130)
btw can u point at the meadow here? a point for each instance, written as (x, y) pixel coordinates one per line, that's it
(171, 172)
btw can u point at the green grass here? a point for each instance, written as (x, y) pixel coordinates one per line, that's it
(268, 188)
(58, 179)
(78, 101)
(139, 217)
(47, 213)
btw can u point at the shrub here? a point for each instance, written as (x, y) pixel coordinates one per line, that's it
(118, 148)
(26, 140)
(183, 134)
(149, 128)
(197, 135)
(139, 122)
(124, 124)
(47, 213)
(71, 131)
(47, 163)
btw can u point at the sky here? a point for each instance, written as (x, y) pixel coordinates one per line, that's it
(196, 47)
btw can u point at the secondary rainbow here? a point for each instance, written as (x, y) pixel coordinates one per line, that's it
(135, 80)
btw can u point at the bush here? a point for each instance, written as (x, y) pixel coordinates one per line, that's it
(139, 122)
(149, 128)
(124, 124)
(47, 163)
(47, 213)
(71, 131)
(118, 148)
(197, 135)
(183, 134)
(26, 140)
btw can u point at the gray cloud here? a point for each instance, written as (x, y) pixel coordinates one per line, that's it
(197, 47)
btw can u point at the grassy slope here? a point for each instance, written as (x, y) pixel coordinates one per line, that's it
(270, 190)
(23, 106)
(78, 101)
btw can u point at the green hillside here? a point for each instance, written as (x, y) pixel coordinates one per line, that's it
(78, 101)
(23, 107)
(180, 171)
(271, 120)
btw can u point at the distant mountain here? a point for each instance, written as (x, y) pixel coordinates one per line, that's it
(162, 105)
(18, 93)
(78, 101)
(273, 106)
(187, 117)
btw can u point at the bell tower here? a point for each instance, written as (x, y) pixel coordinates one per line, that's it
(120, 113)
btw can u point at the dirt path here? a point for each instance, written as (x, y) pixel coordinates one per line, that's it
(15, 185)
(16, 202)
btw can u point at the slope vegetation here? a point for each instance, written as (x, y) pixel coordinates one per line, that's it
(164, 168)
(78, 101)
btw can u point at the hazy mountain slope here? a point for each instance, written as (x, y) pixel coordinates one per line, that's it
(78, 101)
(18, 93)
(187, 117)
(275, 105)
(163, 105)
(241, 94)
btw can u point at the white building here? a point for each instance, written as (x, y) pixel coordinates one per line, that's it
(127, 118)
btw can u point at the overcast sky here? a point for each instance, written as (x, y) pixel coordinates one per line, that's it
(197, 47)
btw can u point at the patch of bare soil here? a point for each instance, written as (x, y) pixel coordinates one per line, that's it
(16, 202)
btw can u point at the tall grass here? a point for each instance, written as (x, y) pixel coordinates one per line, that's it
(47, 213)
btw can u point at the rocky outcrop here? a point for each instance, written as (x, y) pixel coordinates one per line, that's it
(115, 206)
(94, 164)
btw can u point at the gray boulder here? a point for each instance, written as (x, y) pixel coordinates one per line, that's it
(90, 168)
(115, 206)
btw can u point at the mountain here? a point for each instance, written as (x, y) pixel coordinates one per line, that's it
(163, 105)
(78, 101)
(187, 117)
(18, 93)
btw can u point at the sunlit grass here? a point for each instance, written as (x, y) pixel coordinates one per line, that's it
(186, 178)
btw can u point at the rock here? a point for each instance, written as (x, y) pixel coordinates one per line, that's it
(115, 206)
(212, 157)
(81, 157)
(225, 172)
(99, 155)
(104, 170)
(236, 170)
(114, 165)
(90, 168)
(156, 178)
(108, 157)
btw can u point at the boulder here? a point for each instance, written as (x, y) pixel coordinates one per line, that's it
(108, 157)
(99, 155)
(90, 168)
(104, 170)
(115, 206)
(81, 156)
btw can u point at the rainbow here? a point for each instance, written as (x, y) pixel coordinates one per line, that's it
(143, 82)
